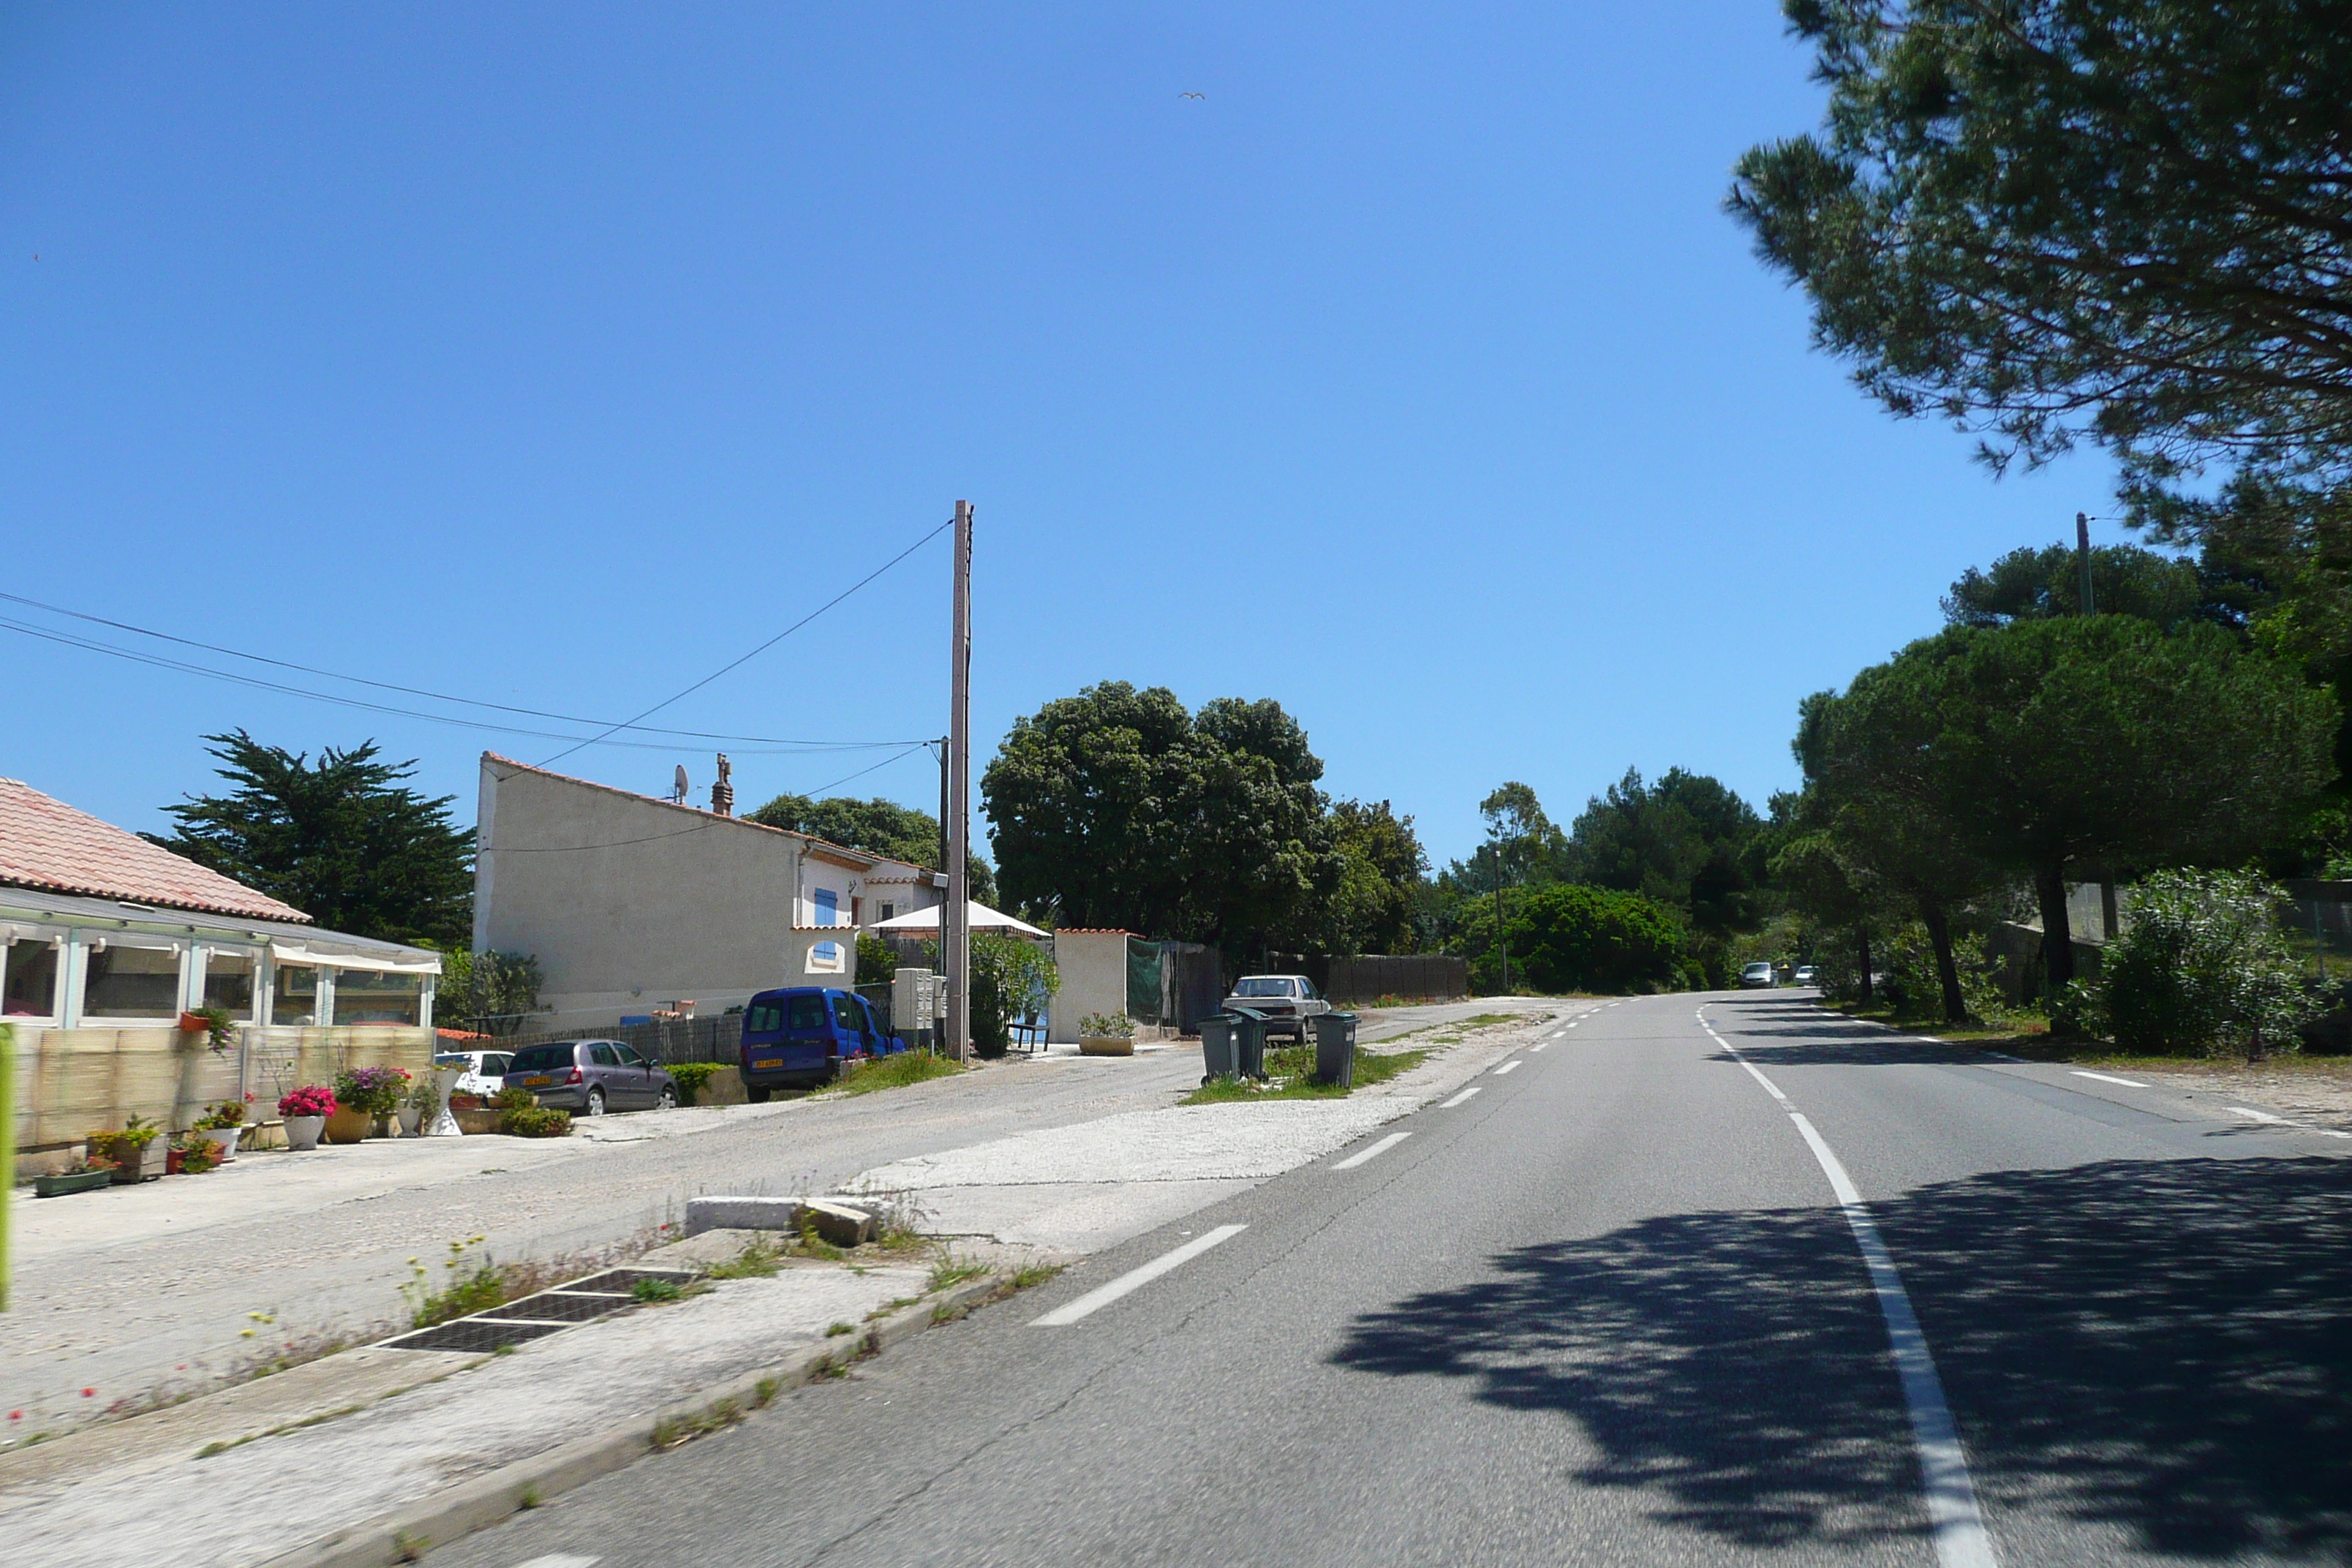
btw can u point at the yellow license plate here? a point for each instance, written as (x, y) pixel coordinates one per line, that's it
(758, 1062)
(542, 1078)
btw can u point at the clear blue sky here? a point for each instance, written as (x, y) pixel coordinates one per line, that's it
(556, 356)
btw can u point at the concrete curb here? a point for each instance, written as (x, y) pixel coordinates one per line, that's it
(526, 1483)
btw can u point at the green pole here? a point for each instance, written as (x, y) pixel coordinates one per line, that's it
(7, 1147)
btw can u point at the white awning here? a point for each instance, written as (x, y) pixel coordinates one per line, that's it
(924, 922)
(378, 962)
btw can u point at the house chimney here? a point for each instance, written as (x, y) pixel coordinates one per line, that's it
(722, 794)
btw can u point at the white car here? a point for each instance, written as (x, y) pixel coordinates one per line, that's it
(1286, 1001)
(1806, 975)
(486, 1071)
(1756, 976)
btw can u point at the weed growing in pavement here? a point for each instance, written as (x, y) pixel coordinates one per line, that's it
(473, 1286)
(836, 1331)
(653, 1290)
(407, 1548)
(757, 1261)
(672, 1430)
(946, 1274)
(812, 1245)
(886, 1308)
(529, 1499)
(1030, 1274)
(896, 1072)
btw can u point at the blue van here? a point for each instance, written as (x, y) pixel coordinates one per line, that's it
(798, 1037)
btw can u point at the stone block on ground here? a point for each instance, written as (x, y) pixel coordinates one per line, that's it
(840, 1224)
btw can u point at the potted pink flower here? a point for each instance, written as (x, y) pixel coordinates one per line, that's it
(306, 1111)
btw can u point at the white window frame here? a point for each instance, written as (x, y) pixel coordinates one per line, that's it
(99, 941)
(201, 969)
(55, 1017)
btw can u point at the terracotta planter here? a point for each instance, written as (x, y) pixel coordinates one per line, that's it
(302, 1131)
(348, 1126)
(195, 1024)
(1106, 1045)
(70, 1181)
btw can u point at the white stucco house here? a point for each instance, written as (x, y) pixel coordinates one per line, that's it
(633, 904)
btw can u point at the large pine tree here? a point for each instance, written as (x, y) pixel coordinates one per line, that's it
(343, 840)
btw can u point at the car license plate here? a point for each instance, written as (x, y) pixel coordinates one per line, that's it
(540, 1078)
(758, 1062)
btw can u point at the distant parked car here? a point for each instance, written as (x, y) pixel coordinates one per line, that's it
(799, 1037)
(1807, 975)
(486, 1071)
(591, 1076)
(1757, 976)
(1287, 1001)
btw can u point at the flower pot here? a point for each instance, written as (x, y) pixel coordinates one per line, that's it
(136, 1162)
(70, 1181)
(302, 1131)
(481, 1118)
(410, 1117)
(1106, 1045)
(347, 1125)
(195, 1024)
(224, 1140)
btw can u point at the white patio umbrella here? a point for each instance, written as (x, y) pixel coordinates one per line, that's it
(926, 922)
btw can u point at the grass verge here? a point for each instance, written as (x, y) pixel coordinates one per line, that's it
(895, 1072)
(1290, 1075)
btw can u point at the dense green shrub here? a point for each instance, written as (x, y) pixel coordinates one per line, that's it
(1567, 937)
(540, 1122)
(1011, 979)
(690, 1076)
(1912, 984)
(2200, 965)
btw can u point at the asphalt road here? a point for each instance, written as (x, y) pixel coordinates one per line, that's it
(1609, 1310)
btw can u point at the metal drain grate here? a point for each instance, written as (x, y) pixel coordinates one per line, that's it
(558, 1307)
(622, 1279)
(472, 1336)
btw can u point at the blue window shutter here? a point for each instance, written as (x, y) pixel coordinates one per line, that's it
(828, 907)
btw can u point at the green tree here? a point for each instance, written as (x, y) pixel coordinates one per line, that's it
(877, 826)
(1118, 807)
(1012, 979)
(2201, 966)
(1572, 937)
(343, 840)
(1383, 867)
(2101, 743)
(2052, 219)
(2031, 584)
(1882, 808)
(489, 992)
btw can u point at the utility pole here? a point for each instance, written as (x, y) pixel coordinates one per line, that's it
(955, 919)
(944, 743)
(2082, 557)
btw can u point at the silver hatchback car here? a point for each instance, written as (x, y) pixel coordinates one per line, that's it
(591, 1076)
(1757, 977)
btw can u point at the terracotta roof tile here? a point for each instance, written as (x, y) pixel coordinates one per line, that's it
(46, 844)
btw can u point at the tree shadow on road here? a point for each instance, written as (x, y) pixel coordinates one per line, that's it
(2161, 1348)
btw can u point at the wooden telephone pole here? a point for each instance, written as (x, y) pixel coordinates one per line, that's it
(955, 918)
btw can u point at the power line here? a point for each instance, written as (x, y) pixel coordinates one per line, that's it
(184, 667)
(385, 685)
(918, 746)
(765, 646)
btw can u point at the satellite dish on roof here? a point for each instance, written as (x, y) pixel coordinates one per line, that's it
(679, 786)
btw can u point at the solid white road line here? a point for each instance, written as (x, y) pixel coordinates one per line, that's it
(1511, 1066)
(1135, 1278)
(1960, 1538)
(560, 1560)
(1458, 1099)
(2252, 1115)
(2104, 1078)
(1382, 1147)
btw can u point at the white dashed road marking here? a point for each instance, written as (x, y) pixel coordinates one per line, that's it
(1382, 1147)
(2104, 1078)
(1135, 1278)
(2252, 1115)
(1511, 1066)
(1458, 1099)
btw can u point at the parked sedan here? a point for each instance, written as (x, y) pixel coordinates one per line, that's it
(1286, 1001)
(591, 1076)
(1756, 976)
(1807, 975)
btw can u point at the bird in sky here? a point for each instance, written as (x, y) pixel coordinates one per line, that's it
(1192, 95)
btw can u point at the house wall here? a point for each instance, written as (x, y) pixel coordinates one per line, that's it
(630, 903)
(1092, 966)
